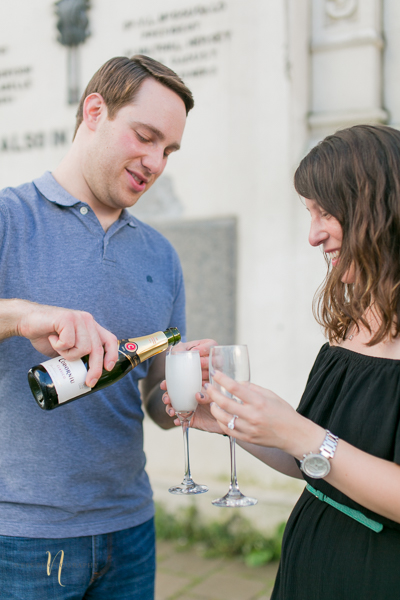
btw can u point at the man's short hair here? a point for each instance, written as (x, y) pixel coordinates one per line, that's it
(119, 79)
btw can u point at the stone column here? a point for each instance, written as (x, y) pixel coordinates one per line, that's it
(346, 65)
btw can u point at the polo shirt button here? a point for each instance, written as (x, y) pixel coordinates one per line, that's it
(83, 210)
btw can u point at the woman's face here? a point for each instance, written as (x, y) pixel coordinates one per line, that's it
(325, 230)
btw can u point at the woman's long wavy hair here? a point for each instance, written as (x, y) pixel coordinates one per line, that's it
(354, 175)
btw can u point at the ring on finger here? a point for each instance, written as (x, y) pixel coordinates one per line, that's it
(231, 424)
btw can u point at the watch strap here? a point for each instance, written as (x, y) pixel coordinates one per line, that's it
(329, 445)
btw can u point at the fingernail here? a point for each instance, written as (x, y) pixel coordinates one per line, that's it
(201, 395)
(206, 386)
(111, 365)
(92, 383)
(212, 404)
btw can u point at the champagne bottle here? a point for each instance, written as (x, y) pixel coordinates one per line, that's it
(58, 381)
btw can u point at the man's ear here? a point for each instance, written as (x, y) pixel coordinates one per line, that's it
(93, 108)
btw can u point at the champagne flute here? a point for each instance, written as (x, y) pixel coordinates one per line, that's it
(234, 362)
(183, 376)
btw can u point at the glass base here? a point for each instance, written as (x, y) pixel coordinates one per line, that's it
(186, 490)
(233, 500)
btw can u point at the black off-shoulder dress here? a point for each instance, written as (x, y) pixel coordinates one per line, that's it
(327, 555)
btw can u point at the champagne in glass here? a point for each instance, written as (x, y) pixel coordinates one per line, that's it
(234, 362)
(183, 376)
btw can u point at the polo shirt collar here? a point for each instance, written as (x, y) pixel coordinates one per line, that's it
(54, 192)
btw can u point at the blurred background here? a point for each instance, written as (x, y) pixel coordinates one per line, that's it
(270, 78)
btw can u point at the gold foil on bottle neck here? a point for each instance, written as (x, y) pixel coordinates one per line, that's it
(149, 345)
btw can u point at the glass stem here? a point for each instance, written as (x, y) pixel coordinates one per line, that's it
(187, 479)
(234, 487)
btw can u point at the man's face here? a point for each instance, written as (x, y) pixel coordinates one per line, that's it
(126, 155)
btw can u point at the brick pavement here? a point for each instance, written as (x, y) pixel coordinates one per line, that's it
(186, 575)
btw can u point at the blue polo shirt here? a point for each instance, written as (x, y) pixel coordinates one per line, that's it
(79, 469)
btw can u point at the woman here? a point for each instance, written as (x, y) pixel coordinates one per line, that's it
(343, 537)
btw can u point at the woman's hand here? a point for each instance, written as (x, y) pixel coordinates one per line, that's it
(263, 418)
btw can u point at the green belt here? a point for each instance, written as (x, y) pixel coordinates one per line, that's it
(350, 512)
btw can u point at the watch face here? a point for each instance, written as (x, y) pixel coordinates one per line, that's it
(316, 466)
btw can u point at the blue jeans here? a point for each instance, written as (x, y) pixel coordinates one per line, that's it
(113, 566)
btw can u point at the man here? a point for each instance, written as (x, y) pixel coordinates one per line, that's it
(76, 514)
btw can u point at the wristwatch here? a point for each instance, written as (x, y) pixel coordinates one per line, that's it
(318, 466)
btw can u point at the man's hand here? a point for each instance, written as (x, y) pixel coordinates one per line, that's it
(59, 331)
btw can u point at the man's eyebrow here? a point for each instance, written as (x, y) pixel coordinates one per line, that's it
(157, 133)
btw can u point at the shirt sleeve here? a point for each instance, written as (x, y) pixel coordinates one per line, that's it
(4, 229)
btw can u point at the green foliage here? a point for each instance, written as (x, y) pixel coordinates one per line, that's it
(235, 537)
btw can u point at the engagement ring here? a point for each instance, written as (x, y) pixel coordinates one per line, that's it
(231, 424)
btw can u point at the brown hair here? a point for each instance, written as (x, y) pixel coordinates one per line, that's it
(354, 175)
(119, 79)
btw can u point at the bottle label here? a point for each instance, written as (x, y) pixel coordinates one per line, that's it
(68, 377)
